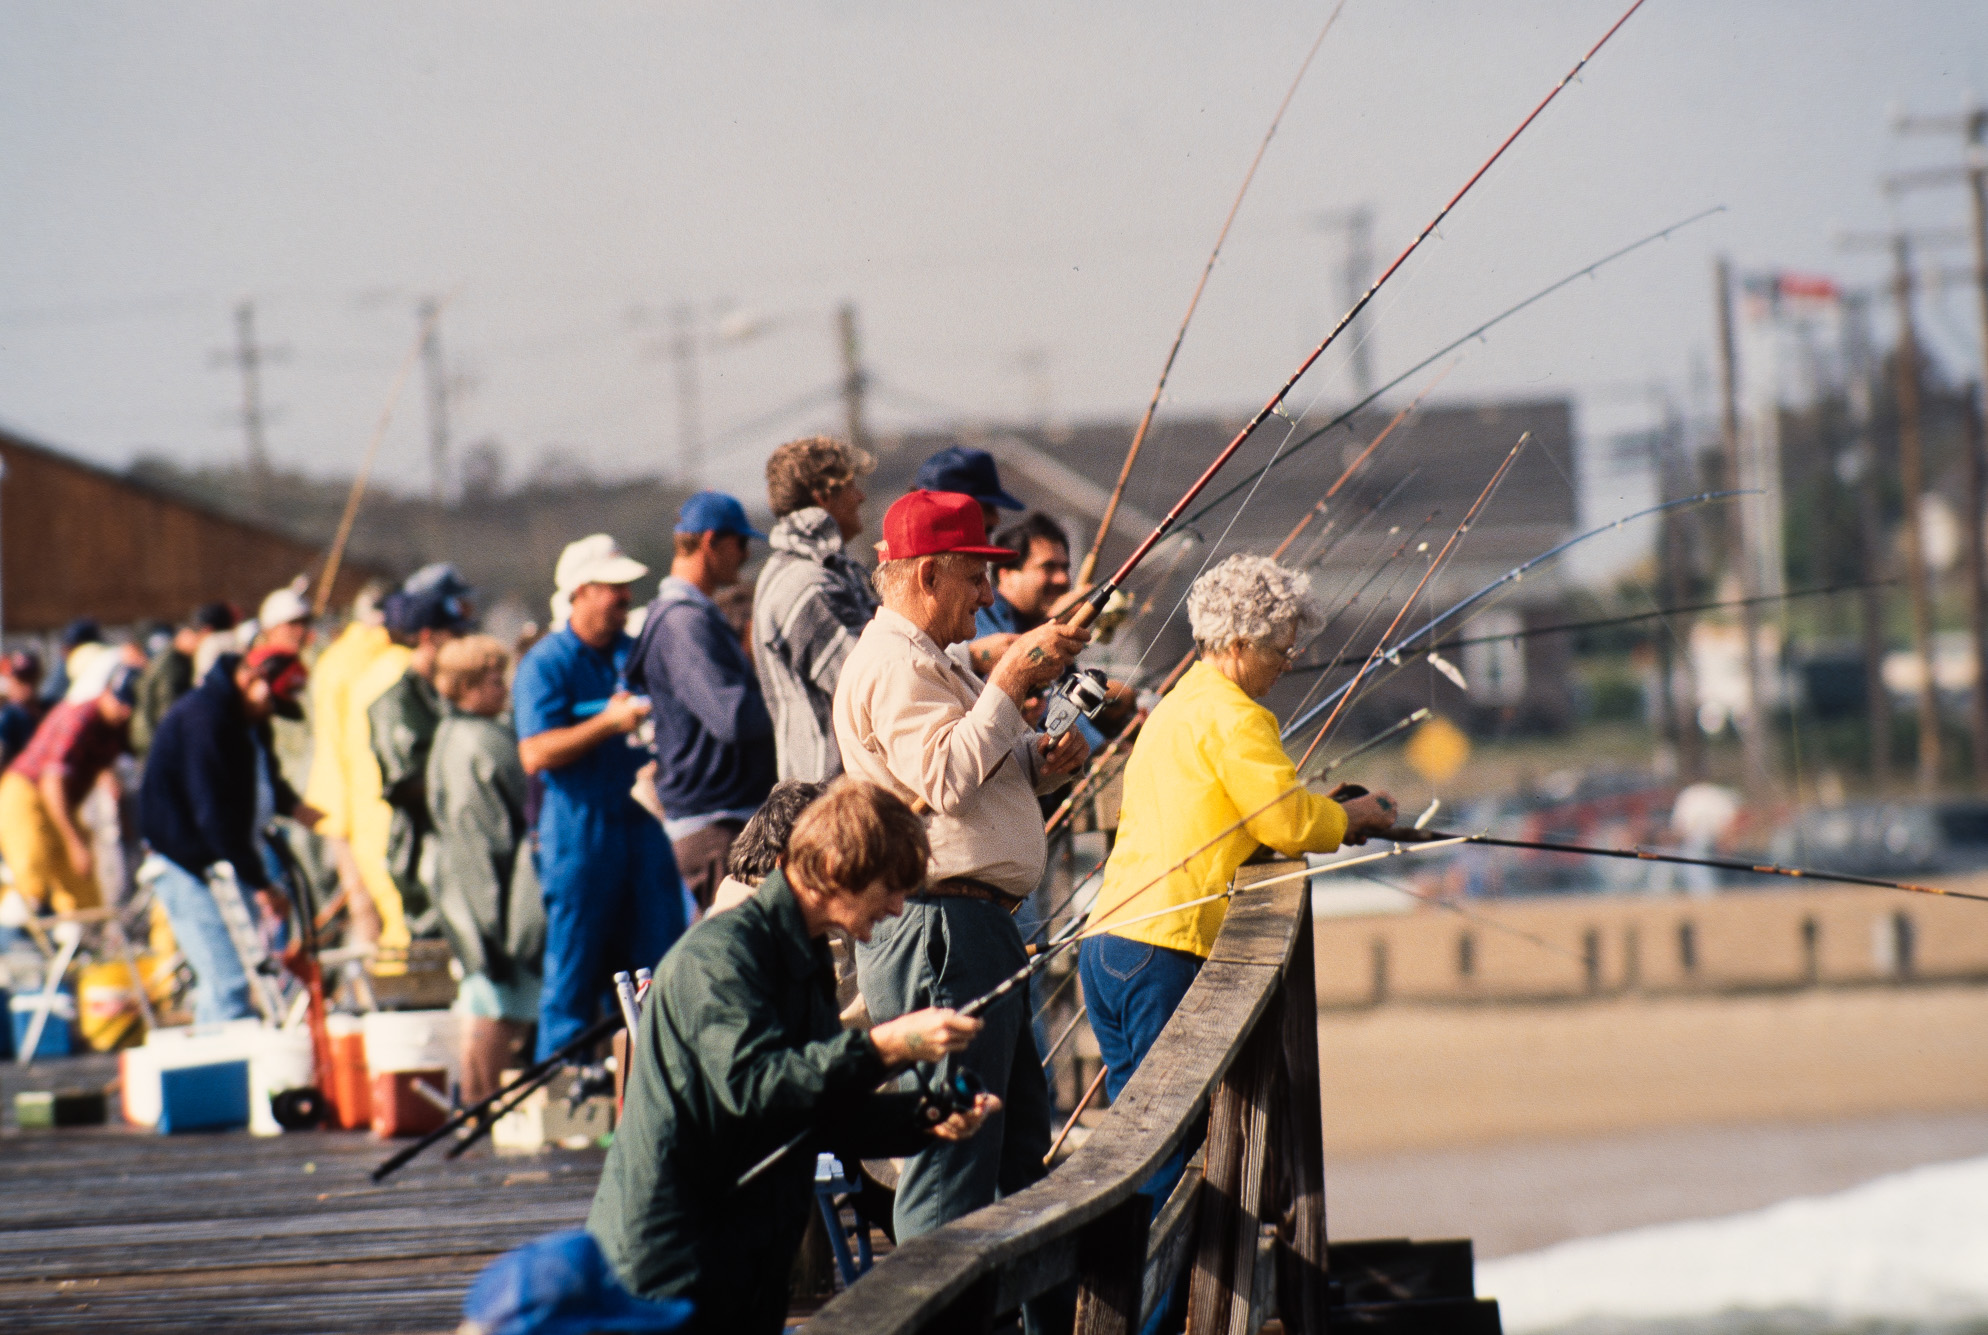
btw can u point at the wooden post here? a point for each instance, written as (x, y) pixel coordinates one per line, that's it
(1111, 1266)
(1221, 1290)
(1911, 477)
(1741, 553)
(1301, 1277)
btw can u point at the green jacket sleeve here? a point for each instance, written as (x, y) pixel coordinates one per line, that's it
(475, 845)
(754, 1070)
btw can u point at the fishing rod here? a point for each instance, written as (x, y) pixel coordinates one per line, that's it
(1082, 691)
(979, 1005)
(1456, 535)
(1602, 623)
(1681, 860)
(1348, 414)
(1092, 780)
(485, 1112)
(1090, 562)
(1511, 576)
(1385, 735)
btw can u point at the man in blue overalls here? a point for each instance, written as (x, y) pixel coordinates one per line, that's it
(613, 898)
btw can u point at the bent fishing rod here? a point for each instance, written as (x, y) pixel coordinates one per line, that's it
(1082, 691)
(1094, 775)
(1379, 739)
(1410, 836)
(1512, 576)
(981, 1004)
(1362, 405)
(1090, 563)
(1604, 623)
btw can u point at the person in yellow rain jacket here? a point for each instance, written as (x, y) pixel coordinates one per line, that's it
(328, 786)
(1208, 757)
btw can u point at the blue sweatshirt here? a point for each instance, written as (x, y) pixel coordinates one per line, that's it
(714, 738)
(196, 805)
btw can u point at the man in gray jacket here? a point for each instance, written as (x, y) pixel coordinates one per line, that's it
(812, 600)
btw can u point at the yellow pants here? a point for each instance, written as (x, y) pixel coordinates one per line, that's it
(372, 823)
(36, 854)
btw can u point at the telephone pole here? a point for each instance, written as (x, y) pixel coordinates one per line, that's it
(1972, 124)
(690, 430)
(438, 399)
(1869, 483)
(853, 377)
(1357, 226)
(247, 356)
(1740, 553)
(1912, 480)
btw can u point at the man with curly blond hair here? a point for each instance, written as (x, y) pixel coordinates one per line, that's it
(813, 599)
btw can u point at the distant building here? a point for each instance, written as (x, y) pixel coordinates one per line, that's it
(1430, 469)
(77, 540)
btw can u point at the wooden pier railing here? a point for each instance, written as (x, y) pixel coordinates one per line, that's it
(1240, 1058)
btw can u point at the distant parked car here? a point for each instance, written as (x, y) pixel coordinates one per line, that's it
(1888, 838)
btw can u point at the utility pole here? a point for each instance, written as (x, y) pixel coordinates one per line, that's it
(1739, 552)
(247, 356)
(853, 378)
(1868, 483)
(690, 431)
(1973, 124)
(1357, 226)
(438, 399)
(1912, 479)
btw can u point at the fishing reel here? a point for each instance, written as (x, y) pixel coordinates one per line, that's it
(952, 1093)
(1078, 692)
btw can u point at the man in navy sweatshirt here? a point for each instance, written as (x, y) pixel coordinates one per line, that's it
(714, 744)
(211, 784)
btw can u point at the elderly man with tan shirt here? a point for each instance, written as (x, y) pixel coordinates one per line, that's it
(911, 719)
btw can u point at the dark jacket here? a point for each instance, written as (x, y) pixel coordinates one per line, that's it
(739, 1048)
(196, 805)
(714, 738)
(402, 723)
(165, 679)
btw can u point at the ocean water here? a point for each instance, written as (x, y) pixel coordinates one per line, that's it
(1901, 1255)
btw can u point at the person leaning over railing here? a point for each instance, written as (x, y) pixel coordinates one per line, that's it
(738, 1048)
(1207, 757)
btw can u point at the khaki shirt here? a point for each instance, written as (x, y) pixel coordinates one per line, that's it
(913, 720)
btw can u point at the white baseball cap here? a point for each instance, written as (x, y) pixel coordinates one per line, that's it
(282, 607)
(596, 559)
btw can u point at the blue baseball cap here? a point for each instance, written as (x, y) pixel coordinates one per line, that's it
(715, 512)
(561, 1285)
(969, 472)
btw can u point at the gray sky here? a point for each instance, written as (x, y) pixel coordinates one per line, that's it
(983, 180)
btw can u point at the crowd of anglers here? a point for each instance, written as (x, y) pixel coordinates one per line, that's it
(716, 785)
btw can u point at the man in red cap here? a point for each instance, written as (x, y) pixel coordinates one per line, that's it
(910, 719)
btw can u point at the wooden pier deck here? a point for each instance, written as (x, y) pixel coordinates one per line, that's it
(113, 1229)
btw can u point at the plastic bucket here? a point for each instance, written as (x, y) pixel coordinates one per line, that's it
(107, 1001)
(280, 1059)
(413, 1041)
(351, 1097)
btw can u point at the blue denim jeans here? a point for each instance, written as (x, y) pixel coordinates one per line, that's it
(1132, 989)
(221, 987)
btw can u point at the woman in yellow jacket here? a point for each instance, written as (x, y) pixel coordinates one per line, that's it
(1208, 757)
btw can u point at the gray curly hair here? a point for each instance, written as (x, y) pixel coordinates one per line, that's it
(1249, 598)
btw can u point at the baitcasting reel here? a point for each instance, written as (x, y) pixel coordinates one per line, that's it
(953, 1093)
(1078, 691)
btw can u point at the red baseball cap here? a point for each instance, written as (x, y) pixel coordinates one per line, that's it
(933, 523)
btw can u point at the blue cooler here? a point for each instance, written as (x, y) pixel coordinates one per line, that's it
(7, 1029)
(204, 1098)
(54, 1040)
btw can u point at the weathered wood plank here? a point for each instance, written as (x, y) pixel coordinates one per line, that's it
(1111, 1263)
(1302, 1293)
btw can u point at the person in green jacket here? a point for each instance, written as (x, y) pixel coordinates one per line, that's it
(486, 889)
(739, 1048)
(402, 723)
